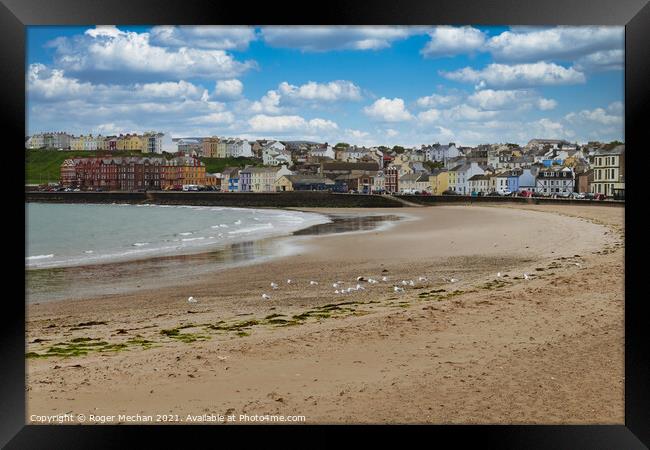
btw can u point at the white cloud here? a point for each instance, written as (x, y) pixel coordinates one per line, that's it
(450, 41)
(613, 115)
(332, 91)
(563, 43)
(215, 37)
(391, 133)
(280, 124)
(490, 99)
(466, 112)
(46, 83)
(388, 110)
(518, 75)
(228, 89)
(437, 101)
(269, 104)
(325, 38)
(602, 60)
(124, 54)
(546, 104)
(431, 115)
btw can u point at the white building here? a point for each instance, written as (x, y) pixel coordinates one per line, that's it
(236, 148)
(459, 176)
(437, 152)
(272, 155)
(555, 181)
(322, 151)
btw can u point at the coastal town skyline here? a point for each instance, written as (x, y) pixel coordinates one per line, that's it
(365, 86)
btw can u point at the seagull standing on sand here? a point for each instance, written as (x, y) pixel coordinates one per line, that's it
(266, 297)
(371, 281)
(526, 276)
(313, 283)
(384, 278)
(335, 285)
(499, 274)
(405, 283)
(411, 283)
(360, 279)
(422, 279)
(359, 287)
(288, 281)
(192, 300)
(274, 286)
(398, 289)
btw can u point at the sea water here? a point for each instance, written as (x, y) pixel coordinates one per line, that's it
(65, 235)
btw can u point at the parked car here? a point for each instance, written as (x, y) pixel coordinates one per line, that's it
(578, 195)
(526, 193)
(494, 194)
(599, 197)
(450, 192)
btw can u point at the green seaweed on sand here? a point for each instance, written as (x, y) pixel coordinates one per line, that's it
(175, 333)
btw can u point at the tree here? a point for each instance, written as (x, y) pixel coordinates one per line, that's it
(399, 149)
(342, 145)
(433, 165)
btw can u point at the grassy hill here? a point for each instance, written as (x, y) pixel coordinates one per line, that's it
(44, 166)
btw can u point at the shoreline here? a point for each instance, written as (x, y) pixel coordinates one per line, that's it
(361, 345)
(201, 261)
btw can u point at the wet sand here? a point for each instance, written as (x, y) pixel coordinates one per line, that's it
(481, 349)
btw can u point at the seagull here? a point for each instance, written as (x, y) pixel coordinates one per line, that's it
(526, 276)
(422, 279)
(266, 297)
(192, 300)
(411, 283)
(238, 222)
(452, 280)
(335, 285)
(339, 282)
(404, 282)
(274, 286)
(398, 289)
(371, 281)
(577, 264)
(350, 289)
(359, 287)
(337, 291)
(384, 278)
(288, 281)
(499, 274)
(360, 279)
(313, 283)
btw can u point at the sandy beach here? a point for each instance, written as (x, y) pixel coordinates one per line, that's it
(484, 349)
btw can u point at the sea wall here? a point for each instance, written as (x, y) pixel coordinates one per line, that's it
(241, 199)
(467, 199)
(290, 199)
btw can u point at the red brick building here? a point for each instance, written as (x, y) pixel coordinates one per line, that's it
(391, 176)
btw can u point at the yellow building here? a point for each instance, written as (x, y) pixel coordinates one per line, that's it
(77, 143)
(439, 180)
(263, 179)
(609, 172)
(221, 150)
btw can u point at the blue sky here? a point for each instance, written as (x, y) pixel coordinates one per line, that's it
(363, 85)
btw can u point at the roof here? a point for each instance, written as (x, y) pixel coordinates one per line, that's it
(308, 179)
(618, 150)
(350, 166)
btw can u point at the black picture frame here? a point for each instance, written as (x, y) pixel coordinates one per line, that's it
(15, 15)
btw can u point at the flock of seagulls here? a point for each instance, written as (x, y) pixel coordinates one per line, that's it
(339, 289)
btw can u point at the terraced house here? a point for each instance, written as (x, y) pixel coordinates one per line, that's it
(609, 172)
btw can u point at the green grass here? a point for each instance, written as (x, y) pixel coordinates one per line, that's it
(44, 166)
(215, 165)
